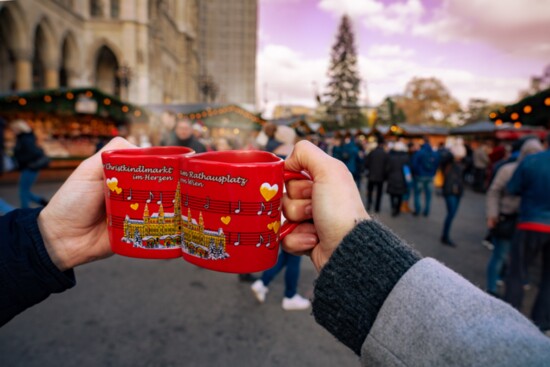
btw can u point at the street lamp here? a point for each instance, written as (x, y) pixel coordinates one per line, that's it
(124, 76)
(208, 88)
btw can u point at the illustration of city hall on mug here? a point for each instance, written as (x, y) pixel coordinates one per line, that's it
(169, 230)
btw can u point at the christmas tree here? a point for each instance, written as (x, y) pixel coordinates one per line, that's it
(343, 86)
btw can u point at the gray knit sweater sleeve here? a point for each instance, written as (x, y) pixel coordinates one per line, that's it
(355, 282)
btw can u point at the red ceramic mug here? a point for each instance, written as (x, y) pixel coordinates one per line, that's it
(232, 208)
(143, 202)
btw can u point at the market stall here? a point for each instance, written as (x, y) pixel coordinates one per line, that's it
(217, 121)
(533, 110)
(69, 123)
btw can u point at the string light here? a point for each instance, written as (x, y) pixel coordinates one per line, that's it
(498, 122)
(517, 125)
(107, 101)
(547, 101)
(22, 101)
(514, 116)
(492, 115)
(47, 98)
(527, 109)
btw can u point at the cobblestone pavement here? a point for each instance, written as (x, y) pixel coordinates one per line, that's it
(169, 313)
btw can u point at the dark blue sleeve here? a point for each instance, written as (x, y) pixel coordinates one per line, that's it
(27, 274)
(414, 163)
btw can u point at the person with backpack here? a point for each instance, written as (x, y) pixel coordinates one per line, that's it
(453, 187)
(424, 167)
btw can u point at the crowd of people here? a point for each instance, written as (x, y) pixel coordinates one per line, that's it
(515, 176)
(374, 293)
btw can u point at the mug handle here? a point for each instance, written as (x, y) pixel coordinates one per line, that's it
(289, 226)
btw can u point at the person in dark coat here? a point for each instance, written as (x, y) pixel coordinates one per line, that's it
(375, 163)
(453, 188)
(183, 136)
(27, 153)
(397, 186)
(350, 153)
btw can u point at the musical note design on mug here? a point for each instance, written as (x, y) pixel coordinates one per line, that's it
(262, 208)
(261, 241)
(160, 200)
(268, 241)
(129, 197)
(207, 204)
(186, 203)
(270, 209)
(151, 197)
(238, 210)
(238, 242)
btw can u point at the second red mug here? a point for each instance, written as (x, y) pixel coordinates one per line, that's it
(231, 204)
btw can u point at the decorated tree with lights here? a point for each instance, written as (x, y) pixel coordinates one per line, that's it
(342, 92)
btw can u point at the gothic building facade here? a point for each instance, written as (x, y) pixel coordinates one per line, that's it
(144, 51)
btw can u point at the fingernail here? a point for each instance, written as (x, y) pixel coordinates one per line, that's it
(310, 240)
(308, 210)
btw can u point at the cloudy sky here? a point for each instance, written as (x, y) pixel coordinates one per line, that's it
(478, 48)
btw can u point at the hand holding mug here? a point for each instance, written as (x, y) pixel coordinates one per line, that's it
(73, 224)
(331, 200)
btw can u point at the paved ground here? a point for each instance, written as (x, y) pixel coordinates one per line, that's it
(169, 313)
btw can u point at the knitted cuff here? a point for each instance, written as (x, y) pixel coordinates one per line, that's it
(357, 279)
(56, 280)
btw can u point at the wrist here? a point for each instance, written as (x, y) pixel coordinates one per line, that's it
(53, 242)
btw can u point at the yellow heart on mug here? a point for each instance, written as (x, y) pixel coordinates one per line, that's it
(134, 206)
(112, 183)
(269, 191)
(118, 190)
(226, 220)
(274, 226)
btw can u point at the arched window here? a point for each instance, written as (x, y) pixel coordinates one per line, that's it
(7, 61)
(38, 69)
(105, 72)
(96, 8)
(115, 8)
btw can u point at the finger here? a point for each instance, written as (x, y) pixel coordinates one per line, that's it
(297, 210)
(310, 158)
(92, 167)
(302, 240)
(299, 189)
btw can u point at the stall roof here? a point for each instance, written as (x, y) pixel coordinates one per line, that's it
(420, 130)
(505, 131)
(210, 113)
(480, 127)
(72, 101)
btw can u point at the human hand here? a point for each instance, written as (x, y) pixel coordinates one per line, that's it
(331, 199)
(73, 224)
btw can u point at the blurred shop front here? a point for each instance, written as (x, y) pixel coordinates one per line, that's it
(69, 123)
(216, 121)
